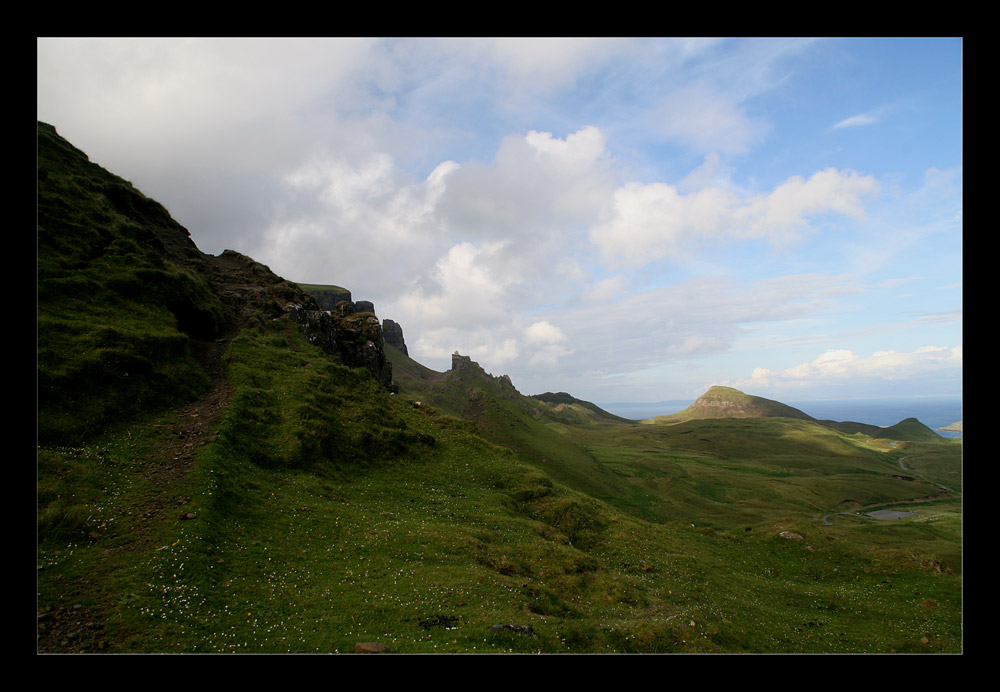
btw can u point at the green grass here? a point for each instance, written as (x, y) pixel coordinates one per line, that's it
(317, 510)
(936, 461)
(316, 533)
(115, 318)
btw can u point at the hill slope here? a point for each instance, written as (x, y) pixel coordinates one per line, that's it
(132, 315)
(726, 402)
(906, 429)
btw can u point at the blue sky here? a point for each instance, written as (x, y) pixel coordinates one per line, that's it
(622, 219)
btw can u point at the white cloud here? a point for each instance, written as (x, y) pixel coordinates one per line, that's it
(605, 289)
(843, 366)
(543, 334)
(857, 121)
(534, 64)
(464, 290)
(546, 343)
(357, 223)
(707, 119)
(489, 347)
(482, 192)
(654, 221)
(536, 182)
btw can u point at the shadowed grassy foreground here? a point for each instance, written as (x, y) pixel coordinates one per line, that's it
(328, 512)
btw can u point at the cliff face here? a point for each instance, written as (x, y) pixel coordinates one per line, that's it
(393, 333)
(327, 298)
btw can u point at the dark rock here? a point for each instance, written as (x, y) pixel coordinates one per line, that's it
(327, 299)
(361, 345)
(364, 306)
(317, 326)
(460, 362)
(463, 367)
(393, 334)
(449, 622)
(353, 338)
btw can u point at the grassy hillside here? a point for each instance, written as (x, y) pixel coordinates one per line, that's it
(906, 429)
(406, 528)
(577, 410)
(254, 495)
(117, 310)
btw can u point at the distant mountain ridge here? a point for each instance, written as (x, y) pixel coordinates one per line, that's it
(726, 402)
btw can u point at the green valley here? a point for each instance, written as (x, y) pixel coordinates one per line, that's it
(227, 464)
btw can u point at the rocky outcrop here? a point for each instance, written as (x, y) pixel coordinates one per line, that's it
(318, 326)
(464, 367)
(247, 289)
(393, 334)
(460, 363)
(353, 338)
(361, 344)
(327, 298)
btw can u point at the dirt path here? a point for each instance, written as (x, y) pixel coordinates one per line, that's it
(69, 626)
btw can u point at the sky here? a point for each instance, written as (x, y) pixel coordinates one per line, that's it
(626, 220)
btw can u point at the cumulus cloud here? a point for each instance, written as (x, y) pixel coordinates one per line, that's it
(543, 333)
(465, 290)
(359, 223)
(491, 348)
(547, 344)
(837, 366)
(655, 220)
(475, 245)
(535, 182)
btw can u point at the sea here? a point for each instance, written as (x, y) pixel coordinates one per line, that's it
(934, 412)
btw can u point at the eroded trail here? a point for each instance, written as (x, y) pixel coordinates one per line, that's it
(75, 614)
(923, 477)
